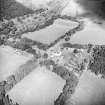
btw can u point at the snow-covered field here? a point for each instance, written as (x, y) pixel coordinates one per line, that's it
(51, 33)
(92, 33)
(90, 90)
(41, 87)
(10, 60)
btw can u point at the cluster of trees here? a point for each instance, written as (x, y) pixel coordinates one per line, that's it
(97, 64)
(69, 88)
(5, 100)
(27, 23)
(76, 46)
(99, 50)
(7, 27)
